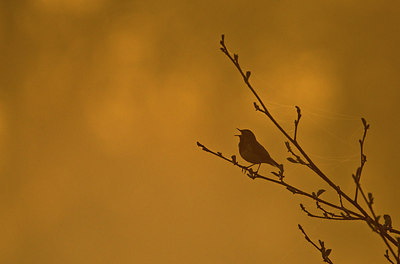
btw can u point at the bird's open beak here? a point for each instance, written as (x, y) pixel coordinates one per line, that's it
(240, 132)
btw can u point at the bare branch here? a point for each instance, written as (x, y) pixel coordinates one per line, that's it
(324, 252)
(363, 157)
(297, 159)
(388, 257)
(329, 216)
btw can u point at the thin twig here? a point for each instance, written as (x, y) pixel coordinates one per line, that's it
(398, 249)
(298, 158)
(378, 228)
(363, 158)
(388, 257)
(296, 122)
(369, 201)
(325, 252)
(329, 217)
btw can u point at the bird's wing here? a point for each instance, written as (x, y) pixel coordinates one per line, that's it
(263, 154)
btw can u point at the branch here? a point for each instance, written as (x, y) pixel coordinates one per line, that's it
(363, 157)
(374, 224)
(398, 249)
(255, 175)
(324, 252)
(329, 216)
(388, 257)
(298, 158)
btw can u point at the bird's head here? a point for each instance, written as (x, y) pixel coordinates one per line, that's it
(246, 135)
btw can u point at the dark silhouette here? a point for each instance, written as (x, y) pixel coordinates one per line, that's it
(252, 151)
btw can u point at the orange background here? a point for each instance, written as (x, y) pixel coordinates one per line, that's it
(101, 103)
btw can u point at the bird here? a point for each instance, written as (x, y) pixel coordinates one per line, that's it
(252, 151)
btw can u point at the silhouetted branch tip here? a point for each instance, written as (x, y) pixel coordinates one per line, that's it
(248, 73)
(234, 159)
(377, 218)
(321, 248)
(388, 221)
(296, 122)
(363, 159)
(388, 257)
(298, 111)
(366, 125)
(370, 199)
(236, 57)
(202, 147)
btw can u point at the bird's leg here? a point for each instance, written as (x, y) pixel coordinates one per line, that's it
(259, 165)
(248, 167)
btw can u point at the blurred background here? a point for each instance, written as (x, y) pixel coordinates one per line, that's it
(102, 102)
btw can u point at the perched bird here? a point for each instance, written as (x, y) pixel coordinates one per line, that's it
(252, 151)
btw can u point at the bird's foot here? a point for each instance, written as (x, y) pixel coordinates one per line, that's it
(252, 174)
(247, 168)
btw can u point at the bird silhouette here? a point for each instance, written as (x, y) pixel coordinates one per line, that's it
(252, 151)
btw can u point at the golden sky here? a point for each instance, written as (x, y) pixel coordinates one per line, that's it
(102, 102)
